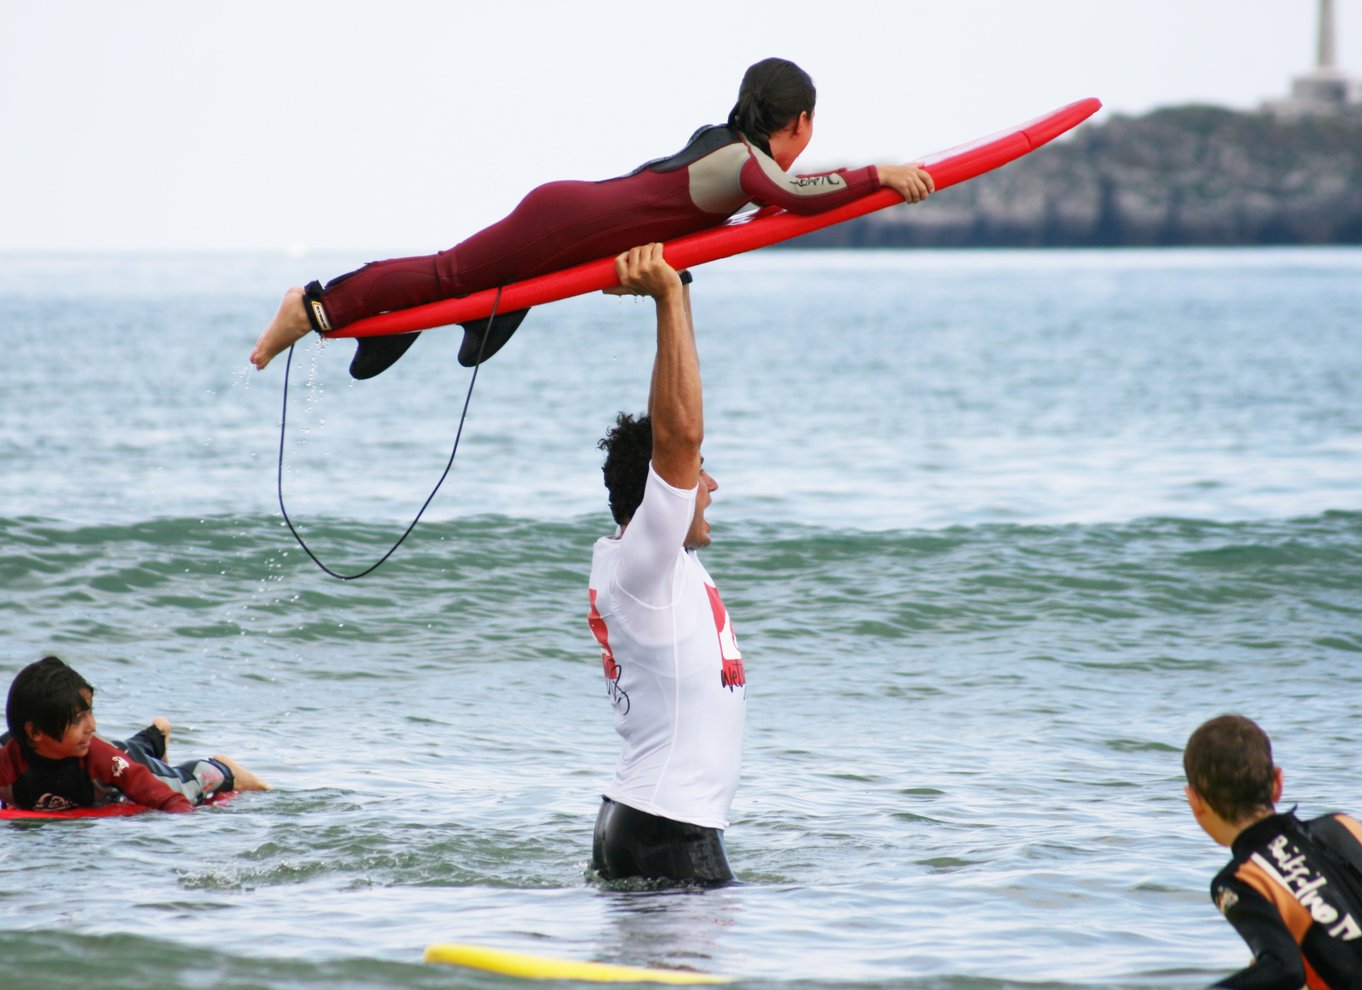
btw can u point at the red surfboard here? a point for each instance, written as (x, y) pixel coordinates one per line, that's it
(103, 811)
(118, 809)
(745, 232)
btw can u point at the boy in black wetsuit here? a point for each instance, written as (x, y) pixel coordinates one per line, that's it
(1293, 889)
(51, 759)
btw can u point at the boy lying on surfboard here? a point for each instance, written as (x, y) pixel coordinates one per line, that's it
(53, 761)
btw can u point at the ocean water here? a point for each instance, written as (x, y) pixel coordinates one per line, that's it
(997, 531)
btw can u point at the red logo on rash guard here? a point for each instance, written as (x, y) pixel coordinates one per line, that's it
(618, 696)
(597, 624)
(732, 675)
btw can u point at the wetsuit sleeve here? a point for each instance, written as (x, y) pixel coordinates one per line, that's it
(10, 768)
(767, 184)
(1277, 962)
(114, 768)
(652, 540)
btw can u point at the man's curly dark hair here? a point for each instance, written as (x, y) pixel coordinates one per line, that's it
(628, 447)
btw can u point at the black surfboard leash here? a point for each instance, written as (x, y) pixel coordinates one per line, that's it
(458, 435)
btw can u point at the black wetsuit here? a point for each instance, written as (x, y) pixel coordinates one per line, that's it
(1294, 892)
(632, 843)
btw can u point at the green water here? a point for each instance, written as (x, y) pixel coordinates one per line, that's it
(996, 532)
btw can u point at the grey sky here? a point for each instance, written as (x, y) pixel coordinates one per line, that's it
(404, 125)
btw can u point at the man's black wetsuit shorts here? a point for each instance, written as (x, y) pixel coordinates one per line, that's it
(633, 843)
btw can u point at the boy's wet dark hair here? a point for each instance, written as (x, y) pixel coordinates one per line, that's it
(1228, 761)
(628, 447)
(773, 93)
(48, 695)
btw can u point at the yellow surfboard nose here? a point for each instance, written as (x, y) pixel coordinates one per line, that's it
(532, 967)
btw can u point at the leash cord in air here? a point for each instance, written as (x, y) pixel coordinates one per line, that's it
(458, 434)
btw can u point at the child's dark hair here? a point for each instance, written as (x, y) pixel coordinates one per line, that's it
(48, 695)
(773, 93)
(1228, 761)
(628, 447)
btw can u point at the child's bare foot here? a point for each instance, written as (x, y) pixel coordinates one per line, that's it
(243, 778)
(289, 326)
(164, 724)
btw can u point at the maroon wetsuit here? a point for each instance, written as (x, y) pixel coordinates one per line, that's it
(565, 223)
(35, 782)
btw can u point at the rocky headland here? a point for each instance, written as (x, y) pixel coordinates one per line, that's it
(1193, 175)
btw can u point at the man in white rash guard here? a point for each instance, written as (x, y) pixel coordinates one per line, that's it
(672, 668)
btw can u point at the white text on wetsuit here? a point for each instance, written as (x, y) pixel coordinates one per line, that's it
(1304, 884)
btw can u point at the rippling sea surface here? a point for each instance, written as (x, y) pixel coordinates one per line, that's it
(997, 531)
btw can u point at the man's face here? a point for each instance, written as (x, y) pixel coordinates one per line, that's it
(698, 536)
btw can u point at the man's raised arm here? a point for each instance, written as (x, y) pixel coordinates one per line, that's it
(675, 403)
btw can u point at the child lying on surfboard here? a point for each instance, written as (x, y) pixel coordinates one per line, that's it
(52, 760)
(561, 224)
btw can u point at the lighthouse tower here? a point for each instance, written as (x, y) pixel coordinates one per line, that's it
(1327, 89)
